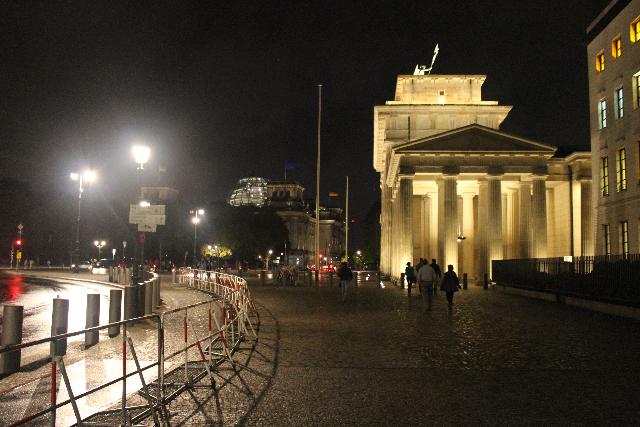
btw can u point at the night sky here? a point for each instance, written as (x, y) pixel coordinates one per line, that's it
(222, 90)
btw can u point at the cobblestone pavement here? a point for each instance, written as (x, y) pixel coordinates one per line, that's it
(379, 359)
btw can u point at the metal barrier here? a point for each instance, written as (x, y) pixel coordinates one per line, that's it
(190, 342)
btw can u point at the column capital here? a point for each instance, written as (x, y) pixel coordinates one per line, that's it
(448, 171)
(495, 171)
(538, 177)
(406, 170)
(468, 194)
(492, 177)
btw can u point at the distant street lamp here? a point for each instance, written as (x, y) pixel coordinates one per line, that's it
(99, 244)
(88, 176)
(195, 219)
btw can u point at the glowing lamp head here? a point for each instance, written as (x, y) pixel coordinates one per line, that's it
(144, 204)
(270, 252)
(200, 211)
(141, 154)
(195, 220)
(74, 176)
(89, 175)
(209, 247)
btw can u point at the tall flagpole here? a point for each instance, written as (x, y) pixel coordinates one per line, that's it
(346, 228)
(317, 230)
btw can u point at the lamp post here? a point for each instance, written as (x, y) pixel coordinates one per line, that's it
(195, 219)
(141, 154)
(269, 257)
(88, 176)
(99, 244)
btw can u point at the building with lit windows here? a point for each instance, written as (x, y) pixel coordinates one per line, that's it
(457, 188)
(614, 98)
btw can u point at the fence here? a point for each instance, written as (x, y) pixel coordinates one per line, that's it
(189, 342)
(611, 278)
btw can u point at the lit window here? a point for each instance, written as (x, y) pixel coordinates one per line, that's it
(616, 47)
(606, 234)
(604, 176)
(621, 170)
(600, 62)
(602, 113)
(624, 238)
(619, 98)
(634, 30)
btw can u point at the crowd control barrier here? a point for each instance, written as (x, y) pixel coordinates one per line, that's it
(189, 343)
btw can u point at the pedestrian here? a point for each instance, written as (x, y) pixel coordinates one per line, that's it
(426, 279)
(418, 267)
(450, 284)
(346, 276)
(410, 274)
(438, 271)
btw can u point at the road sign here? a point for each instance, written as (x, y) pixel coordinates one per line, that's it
(20, 227)
(147, 217)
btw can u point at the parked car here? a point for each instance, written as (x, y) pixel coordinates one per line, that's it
(85, 265)
(102, 266)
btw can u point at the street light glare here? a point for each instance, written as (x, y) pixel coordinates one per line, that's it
(141, 153)
(144, 204)
(95, 242)
(89, 175)
(195, 220)
(200, 211)
(74, 176)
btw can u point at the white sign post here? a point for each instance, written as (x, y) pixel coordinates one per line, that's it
(147, 217)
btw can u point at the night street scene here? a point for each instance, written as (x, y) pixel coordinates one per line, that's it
(319, 213)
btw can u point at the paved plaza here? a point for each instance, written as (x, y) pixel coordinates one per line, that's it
(379, 359)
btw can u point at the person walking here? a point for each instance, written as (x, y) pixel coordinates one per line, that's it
(418, 267)
(450, 284)
(426, 279)
(410, 274)
(438, 271)
(346, 276)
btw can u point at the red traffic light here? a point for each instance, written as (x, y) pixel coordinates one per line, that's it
(19, 242)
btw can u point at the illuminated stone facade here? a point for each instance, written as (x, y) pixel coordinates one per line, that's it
(614, 100)
(447, 172)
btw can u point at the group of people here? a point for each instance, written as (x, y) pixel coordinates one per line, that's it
(428, 277)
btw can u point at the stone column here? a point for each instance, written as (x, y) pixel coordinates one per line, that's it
(482, 259)
(586, 225)
(525, 219)
(396, 232)
(539, 216)
(450, 223)
(406, 214)
(384, 232)
(494, 219)
(432, 251)
(439, 254)
(468, 226)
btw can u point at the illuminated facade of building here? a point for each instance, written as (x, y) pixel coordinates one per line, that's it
(614, 99)
(456, 188)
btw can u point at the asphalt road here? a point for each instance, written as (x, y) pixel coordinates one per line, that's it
(36, 295)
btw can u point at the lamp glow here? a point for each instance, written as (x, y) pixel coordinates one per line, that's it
(141, 154)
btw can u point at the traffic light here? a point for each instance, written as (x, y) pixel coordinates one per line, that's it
(19, 243)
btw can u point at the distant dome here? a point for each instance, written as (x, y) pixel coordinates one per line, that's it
(251, 191)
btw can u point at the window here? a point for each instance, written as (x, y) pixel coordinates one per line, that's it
(634, 29)
(616, 47)
(606, 238)
(602, 113)
(636, 90)
(624, 238)
(600, 62)
(619, 98)
(621, 170)
(604, 176)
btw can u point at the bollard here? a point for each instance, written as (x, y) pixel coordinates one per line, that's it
(12, 317)
(59, 324)
(310, 281)
(173, 277)
(379, 278)
(129, 302)
(110, 275)
(127, 277)
(464, 281)
(485, 285)
(148, 297)
(140, 299)
(317, 277)
(92, 319)
(115, 311)
(156, 293)
(263, 275)
(331, 279)
(401, 280)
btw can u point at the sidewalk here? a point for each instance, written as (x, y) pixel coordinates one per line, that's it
(379, 359)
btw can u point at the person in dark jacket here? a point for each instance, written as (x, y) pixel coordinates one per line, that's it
(346, 276)
(450, 284)
(438, 271)
(410, 275)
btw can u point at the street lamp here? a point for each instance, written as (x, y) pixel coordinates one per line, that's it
(88, 176)
(99, 244)
(195, 219)
(141, 155)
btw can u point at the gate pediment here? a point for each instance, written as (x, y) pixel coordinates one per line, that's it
(474, 139)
